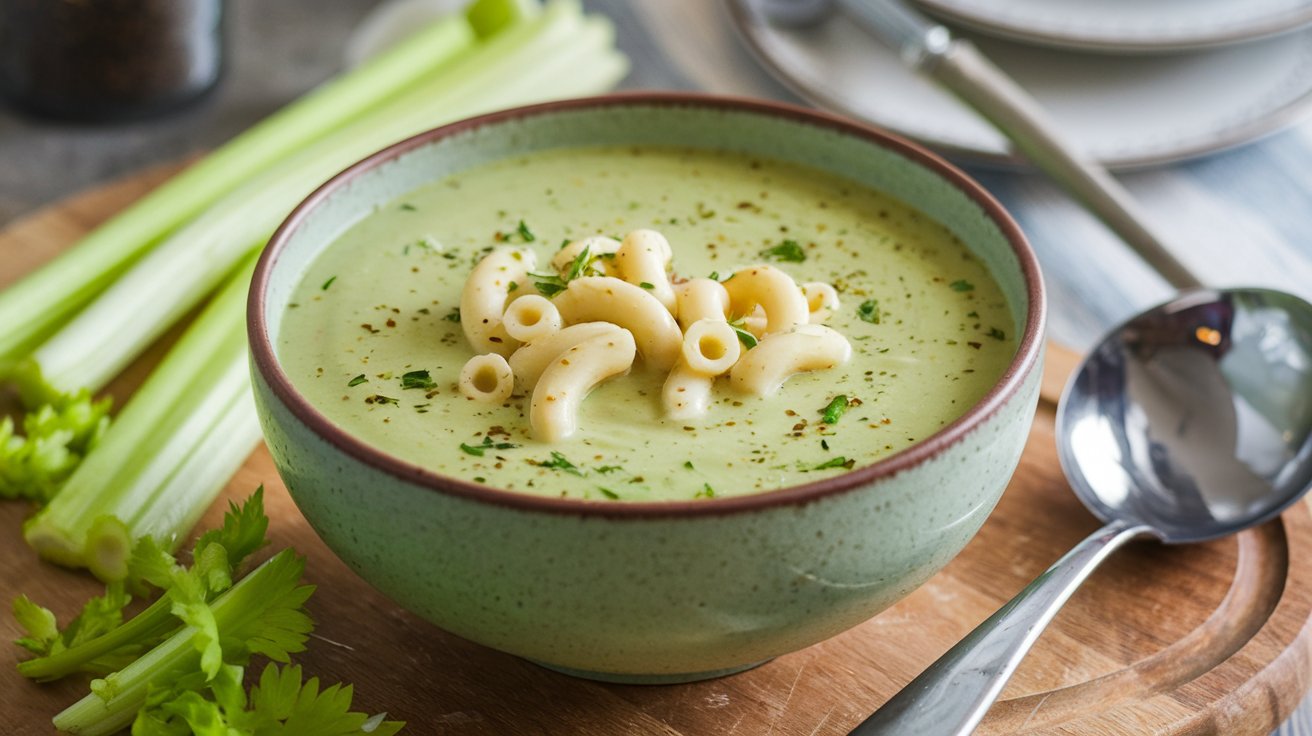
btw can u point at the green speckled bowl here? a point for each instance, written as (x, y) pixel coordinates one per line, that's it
(650, 592)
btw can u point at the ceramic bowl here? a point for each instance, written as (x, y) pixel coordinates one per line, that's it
(650, 592)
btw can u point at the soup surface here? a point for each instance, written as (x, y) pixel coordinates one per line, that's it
(930, 330)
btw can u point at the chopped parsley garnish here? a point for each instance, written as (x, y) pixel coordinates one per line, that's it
(488, 444)
(357, 381)
(715, 276)
(604, 469)
(608, 493)
(824, 444)
(380, 399)
(688, 464)
(453, 315)
(647, 285)
(580, 263)
(328, 283)
(560, 462)
(837, 462)
(512, 287)
(705, 492)
(997, 334)
(868, 311)
(408, 207)
(834, 412)
(746, 338)
(525, 233)
(417, 379)
(962, 285)
(551, 284)
(789, 250)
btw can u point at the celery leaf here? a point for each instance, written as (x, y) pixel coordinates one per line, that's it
(55, 438)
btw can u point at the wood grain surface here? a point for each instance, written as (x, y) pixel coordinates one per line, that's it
(1212, 638)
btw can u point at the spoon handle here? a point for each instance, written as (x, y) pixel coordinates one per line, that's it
(951, 697)
(956, 64)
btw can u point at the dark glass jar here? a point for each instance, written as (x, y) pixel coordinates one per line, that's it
(95, 60)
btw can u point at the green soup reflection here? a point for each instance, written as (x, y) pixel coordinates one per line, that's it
(929, 328)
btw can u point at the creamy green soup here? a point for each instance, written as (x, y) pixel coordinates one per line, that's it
(372, 336)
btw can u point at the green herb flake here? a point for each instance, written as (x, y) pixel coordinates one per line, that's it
(560, 462)
(580, 263)
(824, 444)
(408, 207)
(834, 411)
(417, 379)
(647, 285)
(380, 399)
(453, 315)
(962, 285)
(715, 276)
(788, 250)
(746, 338)
(525, 233)
(550, 285)
(486, 445)
(705, 492)
(688, 464)
(837, 462)
(868, 311)
(997, 334)
(512, 287)
(604, 469)
(357, 381)
(328, 283)
(608, 493)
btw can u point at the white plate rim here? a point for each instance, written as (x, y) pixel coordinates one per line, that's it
(1269, 26)
(1273, 122)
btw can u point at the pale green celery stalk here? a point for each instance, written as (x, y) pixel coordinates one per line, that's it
(237, 612)
(34, 307)
(158, 410)
(517, 66)
(210, 435)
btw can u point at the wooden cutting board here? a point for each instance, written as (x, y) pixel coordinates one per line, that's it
(1212, 638)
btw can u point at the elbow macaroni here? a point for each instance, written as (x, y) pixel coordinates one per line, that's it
(700, 299)
(559, 349)
(605, 298)
(531, 317)
(643, 258)
(532, 359)
(553, 411)
(821, 299)
(772, 290)
(686, 393)
(487, 378)
(483, 300)
(781, 355)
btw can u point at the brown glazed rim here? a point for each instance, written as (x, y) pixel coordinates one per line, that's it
(1026, 360)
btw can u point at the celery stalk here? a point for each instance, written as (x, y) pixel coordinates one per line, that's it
(35, 306)
(157, 410)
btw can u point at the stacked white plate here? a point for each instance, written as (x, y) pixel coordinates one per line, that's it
(1134, 82)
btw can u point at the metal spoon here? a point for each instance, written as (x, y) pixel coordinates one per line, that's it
(1189, 422)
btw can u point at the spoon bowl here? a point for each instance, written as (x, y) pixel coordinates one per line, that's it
(1195, 417)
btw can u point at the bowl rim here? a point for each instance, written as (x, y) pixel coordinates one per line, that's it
(1026, 360)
